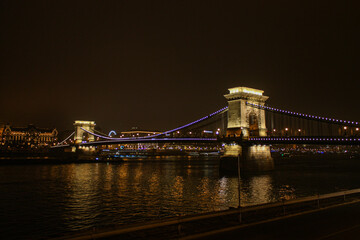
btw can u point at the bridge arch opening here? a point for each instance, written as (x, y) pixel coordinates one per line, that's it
(253, 124)
(85, 136)
(81, 135)
(243, 118)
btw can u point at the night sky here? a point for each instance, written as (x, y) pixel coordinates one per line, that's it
(161, 64)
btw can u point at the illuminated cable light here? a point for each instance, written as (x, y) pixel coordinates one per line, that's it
(67, 138)
(305, 115)
(170, 131)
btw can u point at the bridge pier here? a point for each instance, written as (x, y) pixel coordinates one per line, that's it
(255, 158)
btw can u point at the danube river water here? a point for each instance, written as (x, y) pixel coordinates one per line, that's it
(44, 201)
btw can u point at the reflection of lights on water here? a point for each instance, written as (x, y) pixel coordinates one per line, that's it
(138, 173)
(286, 192)
(178, 187)
(108, 177)
(204, 188)
(223, 187)
(260, 189)
(154, 182)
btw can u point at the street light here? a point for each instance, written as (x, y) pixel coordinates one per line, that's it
(239, 188)
(345, 128)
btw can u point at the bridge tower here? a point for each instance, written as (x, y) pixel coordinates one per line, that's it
(81, 135)
(245, 121)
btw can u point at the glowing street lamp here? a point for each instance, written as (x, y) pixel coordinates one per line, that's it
(345, 128)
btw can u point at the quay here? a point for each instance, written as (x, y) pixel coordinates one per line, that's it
(329, 216)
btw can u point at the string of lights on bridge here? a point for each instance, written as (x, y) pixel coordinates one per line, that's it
(163, 133)
(278, 139)
(313, 117)
(194, 122)
(62, 142)
(138, 140)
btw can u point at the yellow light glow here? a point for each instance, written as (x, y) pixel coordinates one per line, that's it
(246, 90)
(85, 122)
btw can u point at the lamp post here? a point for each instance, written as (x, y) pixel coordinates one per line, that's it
(239, 188)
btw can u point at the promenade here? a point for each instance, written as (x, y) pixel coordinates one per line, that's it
(333, 223)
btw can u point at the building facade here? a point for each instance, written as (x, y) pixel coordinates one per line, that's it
(29, 136)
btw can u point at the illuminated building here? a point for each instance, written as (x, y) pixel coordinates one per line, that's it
(27, 136)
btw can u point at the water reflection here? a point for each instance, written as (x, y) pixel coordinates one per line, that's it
(258, 189)
(178, 188)
(49, 199)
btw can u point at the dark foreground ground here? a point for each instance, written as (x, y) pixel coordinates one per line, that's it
(341, 222)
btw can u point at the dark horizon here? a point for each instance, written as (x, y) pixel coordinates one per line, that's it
(160, 64)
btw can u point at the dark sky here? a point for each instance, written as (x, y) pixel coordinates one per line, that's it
(161, 64)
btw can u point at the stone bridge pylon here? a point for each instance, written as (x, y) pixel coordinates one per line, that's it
(245, 121)
(81, 135)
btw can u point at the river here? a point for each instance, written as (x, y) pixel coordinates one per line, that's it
(47, 200)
